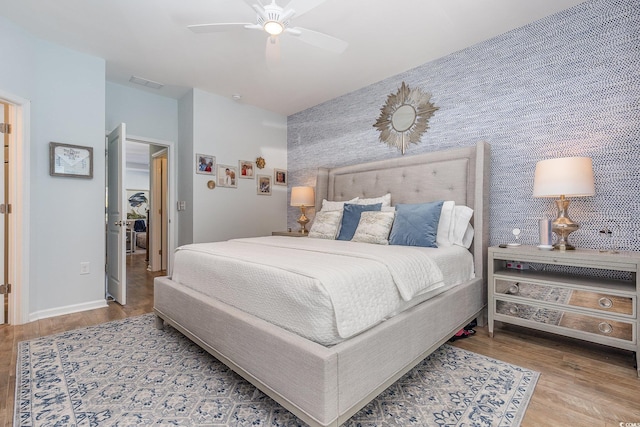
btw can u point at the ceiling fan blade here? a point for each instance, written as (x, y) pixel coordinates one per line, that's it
(217, 28)
(251, 3)
(303, 6)
(321, 40)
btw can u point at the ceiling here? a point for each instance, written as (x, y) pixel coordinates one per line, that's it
(149, 39)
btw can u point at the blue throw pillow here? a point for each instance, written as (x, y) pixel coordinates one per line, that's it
(416, 224)
(351, 218)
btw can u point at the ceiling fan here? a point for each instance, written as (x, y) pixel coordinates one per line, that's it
(275, 21)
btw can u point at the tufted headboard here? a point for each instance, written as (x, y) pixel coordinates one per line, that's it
(460, 174)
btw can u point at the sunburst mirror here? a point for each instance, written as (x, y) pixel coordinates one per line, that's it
(405, 117)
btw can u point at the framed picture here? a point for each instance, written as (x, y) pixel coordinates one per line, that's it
(280, 177)
(70, 160)
(246, 169)
(264, 185)
(137, 204)
(205, 164)
(227, 176)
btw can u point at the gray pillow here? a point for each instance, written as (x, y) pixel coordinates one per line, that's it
(416, 224)
(374, 227)
(325, 225)
(351, 218)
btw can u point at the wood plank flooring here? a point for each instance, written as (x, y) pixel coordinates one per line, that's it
(139, 301)
(581, 384)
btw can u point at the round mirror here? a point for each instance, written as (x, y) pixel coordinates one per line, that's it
(403, 118)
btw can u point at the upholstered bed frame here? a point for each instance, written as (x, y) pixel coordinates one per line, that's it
(327, 385)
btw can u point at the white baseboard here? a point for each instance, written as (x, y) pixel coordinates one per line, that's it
(67, 309)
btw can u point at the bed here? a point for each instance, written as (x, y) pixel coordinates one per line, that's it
(324, 385)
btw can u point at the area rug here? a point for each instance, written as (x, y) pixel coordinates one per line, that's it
(127, 373)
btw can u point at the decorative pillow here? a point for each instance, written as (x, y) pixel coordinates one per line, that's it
(351, 218)
(335, 206)
(461, 217)
(384, 200)
(325, 225)
(416, 224)
(374, 227)
(444, 225)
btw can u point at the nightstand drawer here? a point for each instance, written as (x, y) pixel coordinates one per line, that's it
(598, 301)
(592, 325)
(603, 302)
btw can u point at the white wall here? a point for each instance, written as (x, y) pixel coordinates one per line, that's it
(146, 114)
(185, 171)
(67, 94)
(232, 131)
(136, 179)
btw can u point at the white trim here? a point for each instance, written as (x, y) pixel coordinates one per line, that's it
(19, 196)
(59, 311)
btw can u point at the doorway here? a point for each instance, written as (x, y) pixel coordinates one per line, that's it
(5, 132)
(15, 220)
(132, 195)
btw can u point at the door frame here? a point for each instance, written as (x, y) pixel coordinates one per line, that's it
(19, 195)
(157, 238)
(172, 164)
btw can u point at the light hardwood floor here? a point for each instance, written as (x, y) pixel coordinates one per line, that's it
(581, 384)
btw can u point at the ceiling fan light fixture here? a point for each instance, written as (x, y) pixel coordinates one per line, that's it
(274, 28)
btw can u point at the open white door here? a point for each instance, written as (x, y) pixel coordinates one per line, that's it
(116, 216)
(4, 298)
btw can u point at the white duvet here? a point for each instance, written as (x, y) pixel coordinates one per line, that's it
(324, 290)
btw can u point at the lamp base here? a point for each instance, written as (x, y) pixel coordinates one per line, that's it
(303, 221)
(563, 226)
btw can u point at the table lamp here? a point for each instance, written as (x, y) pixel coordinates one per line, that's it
(303, 197)
(564, 177)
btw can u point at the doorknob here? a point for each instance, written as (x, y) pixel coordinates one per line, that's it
(118, 223)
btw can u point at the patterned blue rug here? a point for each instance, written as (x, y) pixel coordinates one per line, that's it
(127, 373)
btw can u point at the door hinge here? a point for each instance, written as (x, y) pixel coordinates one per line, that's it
(5, 209)
(5, 128)
(5, 289)
(160, 252)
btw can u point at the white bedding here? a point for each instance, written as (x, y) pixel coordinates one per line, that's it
(323, 290)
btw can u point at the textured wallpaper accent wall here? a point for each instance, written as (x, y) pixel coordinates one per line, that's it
(567, 85)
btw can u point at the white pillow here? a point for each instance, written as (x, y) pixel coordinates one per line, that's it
(467, 238)
(444, 225)
(326, 224)
(385, 200)
(335, 206)
(461, 217)
(374, 227)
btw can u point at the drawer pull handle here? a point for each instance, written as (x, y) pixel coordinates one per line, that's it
(513, 289)
(605, 302)
(513, 309)
(605, 328)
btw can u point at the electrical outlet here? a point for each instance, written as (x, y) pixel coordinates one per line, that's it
(84, 268)
(517, 265)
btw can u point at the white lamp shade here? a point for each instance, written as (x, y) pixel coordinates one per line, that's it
(567, 176)
(302, 196)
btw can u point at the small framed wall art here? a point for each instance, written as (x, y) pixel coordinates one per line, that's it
(205, 164)
(246, 169)
(69, 160)
(280, 177)
(264, 185)
(227, 176)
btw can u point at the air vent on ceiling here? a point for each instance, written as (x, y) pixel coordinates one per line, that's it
(145, 82)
